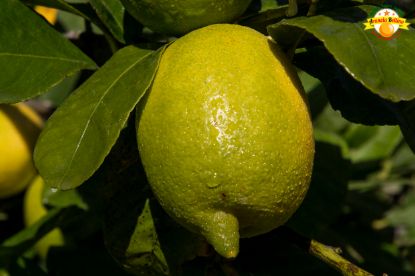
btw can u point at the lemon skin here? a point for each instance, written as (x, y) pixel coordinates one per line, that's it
(19, 128)
(225, 135)
(177, 17)
(34, 210)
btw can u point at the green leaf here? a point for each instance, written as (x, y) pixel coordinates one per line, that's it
(111, 13)
(370, 143)
(23, 240)
(402, 216)
(58, 198)
(388, 65)
(145, 247)
(333, 139)
(355, 102)
(80, 134)
(330, 121)
(268, 5)
(403, 161)
(33, 56)
(144, 240)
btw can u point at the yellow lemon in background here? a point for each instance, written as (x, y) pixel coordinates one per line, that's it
(178, 17)
(19, 129)
(225, 135)
(49, 14)
(34, 210)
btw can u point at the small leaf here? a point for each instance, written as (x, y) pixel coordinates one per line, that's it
(23, 240)
(111, 13)
(80, 134)
(370, 143)
(388, 65)
(145, 247)
(33, 56)
(402, 216)
(269, 4)
(330, 121)
(58, 198)
(333, 139)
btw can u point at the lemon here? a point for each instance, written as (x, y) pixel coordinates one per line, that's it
(19, 129)
(175, 17)
(34, 210)
(49, 14)
(225, 135)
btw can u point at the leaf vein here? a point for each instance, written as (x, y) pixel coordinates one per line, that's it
(41, 57)
(99, 102)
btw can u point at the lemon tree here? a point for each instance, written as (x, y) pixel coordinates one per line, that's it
(206, 138)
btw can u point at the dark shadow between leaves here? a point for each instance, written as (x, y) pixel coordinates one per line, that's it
(127, 202)
(350, 15)
(132, 29)
(355, 102)
(289, 70)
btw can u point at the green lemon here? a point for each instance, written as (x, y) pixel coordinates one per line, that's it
(19, 129)
(33, 211)
(176, 17)
(225, 135)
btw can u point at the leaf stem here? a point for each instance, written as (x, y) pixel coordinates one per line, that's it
(313, 8)
(331, 256)
(292, 8)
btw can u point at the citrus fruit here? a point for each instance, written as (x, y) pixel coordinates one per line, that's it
(176, 17)
(33, 211)
(19, 129)
(49, 14)
(225, 135)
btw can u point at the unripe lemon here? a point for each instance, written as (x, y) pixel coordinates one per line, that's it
(176, 17)
(34, 210)
(19, 129)
(225, 135)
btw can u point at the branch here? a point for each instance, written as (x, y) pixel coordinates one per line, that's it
(329, 255)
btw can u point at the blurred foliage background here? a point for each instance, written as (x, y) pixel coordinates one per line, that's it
(362, 197)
